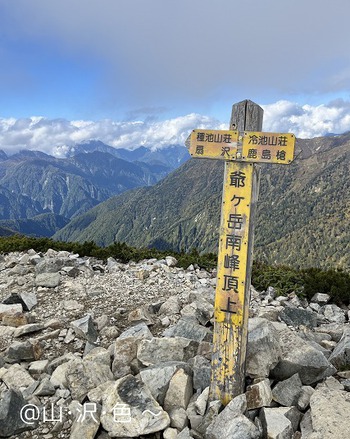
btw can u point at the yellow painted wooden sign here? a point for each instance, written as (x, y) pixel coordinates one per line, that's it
(214, 144)
(252, 146)
(240, 149)
(268, 147)
(233, 245)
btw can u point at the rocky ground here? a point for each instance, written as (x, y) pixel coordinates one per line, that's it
(98, 350)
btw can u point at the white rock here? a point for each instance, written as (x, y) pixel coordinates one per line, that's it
(330, 414)
(179, 392)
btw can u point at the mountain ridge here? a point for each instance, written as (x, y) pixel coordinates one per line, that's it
(182, 210)
(34, 183)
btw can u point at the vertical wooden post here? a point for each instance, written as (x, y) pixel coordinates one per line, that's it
(240, 193)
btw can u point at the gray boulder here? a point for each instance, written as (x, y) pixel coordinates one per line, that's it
(329, 410)
(125, 352)
(10, 309)
(129, 410)
(189, 329)
(231, 422)
(84, 375)
(28, 350)
(29, 299)
(263, 349)
(87, 422)
(49, 280)
(12, 418)
(275, 424)
(16, 377)
(199, 309)
(138, 331)
(259, 394)
(298, 317)
(159, 350)
(299, 356)
(157, 378)
(201, 367)
(52, 265)
(333, 313)
(179, 392)
(340, 357)
(287, 392)
(85, 328)
(320, 298)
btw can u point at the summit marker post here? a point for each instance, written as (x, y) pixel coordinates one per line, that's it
(242, 146)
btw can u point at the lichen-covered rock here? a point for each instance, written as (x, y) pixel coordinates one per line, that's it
(129, 410)
(84, 375)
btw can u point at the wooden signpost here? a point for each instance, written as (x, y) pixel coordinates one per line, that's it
(241, 147)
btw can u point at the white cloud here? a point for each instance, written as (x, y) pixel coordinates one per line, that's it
(57, 136)
(307, 121)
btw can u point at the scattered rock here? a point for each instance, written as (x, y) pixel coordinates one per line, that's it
(287, 392)
(340, 357)
(84, 375)
(125, 352)
(333, 313)
(299, 356)
(329, 411)
(129, 409)
(87, 422)
(16, 377)
(157, 378)
(85, 328)
(17, 319)
(28, 329)
(171, 261)
(275, 424)
(263, 350)
(188, 329)
(10, 309)
(321, 298)
(140, 315)
(159, 350)
(29, 300)
(49, 280)
(231, 422)
(28, 350)
(298, 317)
(11, 421)
(87, 337)
(179, 392)
(259, 394)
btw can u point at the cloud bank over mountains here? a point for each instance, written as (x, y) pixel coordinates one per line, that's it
(57, 136)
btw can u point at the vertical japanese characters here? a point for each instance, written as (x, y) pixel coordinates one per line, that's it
(233, 246)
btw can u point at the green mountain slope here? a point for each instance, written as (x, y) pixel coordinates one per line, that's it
(302, 220)
(33, 183)
(158, 216)
(45, 224)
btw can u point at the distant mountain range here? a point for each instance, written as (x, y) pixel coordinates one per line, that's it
(40, 193)
(303, 214)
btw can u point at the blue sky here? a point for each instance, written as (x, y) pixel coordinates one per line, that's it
(134, 72)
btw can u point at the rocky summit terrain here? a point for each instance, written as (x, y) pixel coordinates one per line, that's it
(92, 349)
